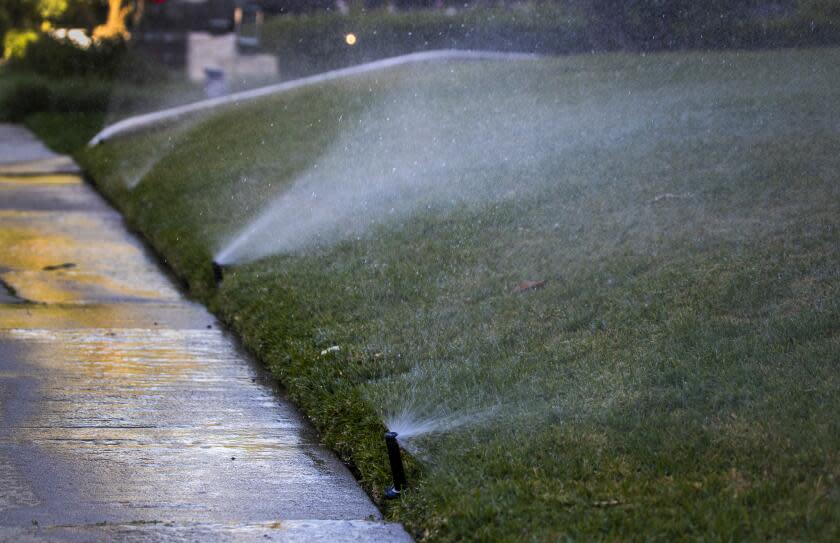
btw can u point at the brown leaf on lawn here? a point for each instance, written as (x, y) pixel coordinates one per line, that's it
(528, 285)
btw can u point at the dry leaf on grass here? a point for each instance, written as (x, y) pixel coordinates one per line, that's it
(528, 285)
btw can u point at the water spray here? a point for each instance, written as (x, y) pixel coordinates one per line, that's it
(397, 470)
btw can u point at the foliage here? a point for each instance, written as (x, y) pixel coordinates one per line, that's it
(16, 43)
(63, 81)
(677, 24)
(315, 42)
(51, 10)
(39, 15)
(821, 10)
(17, 15)
(61, 58)
(24, 94)
(22, 97)
(106, 59)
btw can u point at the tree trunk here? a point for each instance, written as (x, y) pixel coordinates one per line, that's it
(114, 27)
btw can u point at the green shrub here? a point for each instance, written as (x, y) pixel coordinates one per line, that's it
(310, 43)
(23, 97)
(56, 76)
(315, 42)
(80, 95)
(25, 94)
(16, 42)
(824, 10)
(62, 58)
(681, 24)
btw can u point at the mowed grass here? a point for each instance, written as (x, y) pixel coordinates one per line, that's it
(676, 376)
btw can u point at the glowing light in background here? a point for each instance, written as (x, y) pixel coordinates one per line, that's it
(350, 38)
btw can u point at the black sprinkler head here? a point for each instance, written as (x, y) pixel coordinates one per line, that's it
(218, 273)
(397, 470)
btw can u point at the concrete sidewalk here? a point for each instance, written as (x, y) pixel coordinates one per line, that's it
(126, 414)
(22, 154)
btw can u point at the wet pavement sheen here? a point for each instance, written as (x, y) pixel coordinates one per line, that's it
(126, 413)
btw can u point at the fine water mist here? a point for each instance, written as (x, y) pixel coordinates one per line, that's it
(393, 159)
(134, 167)
(412, 417)
(408, 427)
(412, 151)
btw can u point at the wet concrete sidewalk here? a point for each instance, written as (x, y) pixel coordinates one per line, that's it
(126, 414)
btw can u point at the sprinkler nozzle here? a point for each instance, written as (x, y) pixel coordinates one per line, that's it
(218, 272)
(397, 470)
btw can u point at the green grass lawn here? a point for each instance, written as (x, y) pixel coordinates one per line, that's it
(676, 376)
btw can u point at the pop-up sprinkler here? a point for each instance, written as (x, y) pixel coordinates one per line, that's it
(218, 273)
(397, 470)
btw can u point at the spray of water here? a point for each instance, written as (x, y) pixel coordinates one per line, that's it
(134, 167)
(415, 150)
(392, 160)
(408, 425)
(411, 421)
